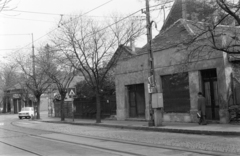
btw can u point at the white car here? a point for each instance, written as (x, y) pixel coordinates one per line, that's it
(26, 112)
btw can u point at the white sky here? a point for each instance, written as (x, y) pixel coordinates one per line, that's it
(16, 23)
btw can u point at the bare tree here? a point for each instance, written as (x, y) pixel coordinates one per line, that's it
(218, 32)
(89, 45)
(36, 82)
(4, 5)
(58, 69)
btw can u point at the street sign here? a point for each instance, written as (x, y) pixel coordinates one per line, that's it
(71, 92)
(150, 80)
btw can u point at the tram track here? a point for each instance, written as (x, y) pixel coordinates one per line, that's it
(39, 136)
(23, 149)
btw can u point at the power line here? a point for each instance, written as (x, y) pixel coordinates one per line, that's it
(117, 21)
(89, 12)
(27, 19)
(128, 17)
(66, 23)
(11, 49)
(53, 14)
(74, 19)
(33, 12)
(14, 34)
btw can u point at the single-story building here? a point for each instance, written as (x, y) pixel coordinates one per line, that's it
(179, 76)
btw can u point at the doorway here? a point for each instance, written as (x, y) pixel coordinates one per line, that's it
(17, 105)
(210, 91)
(136, 101)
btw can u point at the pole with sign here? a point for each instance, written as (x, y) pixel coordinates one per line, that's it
(71, 94)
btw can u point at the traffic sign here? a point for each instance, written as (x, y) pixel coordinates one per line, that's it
(71, 92)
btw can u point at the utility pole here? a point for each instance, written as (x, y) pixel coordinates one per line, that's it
(151, 63)
(33, 69)
(33, 57)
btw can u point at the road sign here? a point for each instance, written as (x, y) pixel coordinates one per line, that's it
(71, 92)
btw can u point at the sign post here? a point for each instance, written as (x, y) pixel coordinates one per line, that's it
(71, 94)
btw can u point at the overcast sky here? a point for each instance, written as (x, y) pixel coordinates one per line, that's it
(38, 17)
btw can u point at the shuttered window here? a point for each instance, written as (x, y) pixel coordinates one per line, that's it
(176, 96)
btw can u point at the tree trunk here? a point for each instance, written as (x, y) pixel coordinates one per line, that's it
(98, 105)
(38, 107)
(62, 107)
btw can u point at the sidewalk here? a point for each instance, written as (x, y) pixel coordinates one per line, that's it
(175, 127)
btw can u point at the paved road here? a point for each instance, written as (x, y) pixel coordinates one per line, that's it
(60, 138)
(17, 141)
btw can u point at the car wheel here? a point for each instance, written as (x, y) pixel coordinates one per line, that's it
(20, 117)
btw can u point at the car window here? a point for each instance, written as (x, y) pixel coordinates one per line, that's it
(23, 109)
(27, 109)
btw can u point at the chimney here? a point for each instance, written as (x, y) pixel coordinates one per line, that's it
(184, 9)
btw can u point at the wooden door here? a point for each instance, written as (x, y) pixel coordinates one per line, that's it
(136, 101)
(210, 91)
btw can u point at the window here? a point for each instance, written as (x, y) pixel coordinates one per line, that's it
(176, 96)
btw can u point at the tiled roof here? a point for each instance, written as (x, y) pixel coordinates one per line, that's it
(123, 52)
(170, 37)
(197, 10)
(182, 30)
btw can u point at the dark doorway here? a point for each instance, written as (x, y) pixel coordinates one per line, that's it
(17, 105)
(136, 101)
(210, 91)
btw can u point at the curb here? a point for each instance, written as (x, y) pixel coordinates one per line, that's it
(153, 129)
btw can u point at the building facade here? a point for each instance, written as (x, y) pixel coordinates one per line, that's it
(178, 77)
(15, 98)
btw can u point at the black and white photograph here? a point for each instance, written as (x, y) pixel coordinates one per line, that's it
(119, 77)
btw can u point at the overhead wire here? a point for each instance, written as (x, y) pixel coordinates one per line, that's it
(89, 12)
(57, 27)
(42, 13)
(28, 19)
(15, 34)
(74, 19)
(11, 49)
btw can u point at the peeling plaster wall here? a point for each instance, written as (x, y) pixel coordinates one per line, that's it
(170, 61)
(133, 71)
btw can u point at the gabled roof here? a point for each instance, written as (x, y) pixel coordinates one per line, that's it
(183, 30)
(16, 86)
(123, 52)
(171, 36)
(176, 23)
(198, 10)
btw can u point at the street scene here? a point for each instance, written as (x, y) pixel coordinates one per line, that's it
(120, 77)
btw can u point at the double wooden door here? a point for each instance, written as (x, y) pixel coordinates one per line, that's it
(136, 101)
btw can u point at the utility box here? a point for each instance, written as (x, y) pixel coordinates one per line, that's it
(157, 100)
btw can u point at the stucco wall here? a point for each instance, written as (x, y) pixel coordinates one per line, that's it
(127, 73)
(170, 61)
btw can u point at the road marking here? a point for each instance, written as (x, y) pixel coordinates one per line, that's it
(1, 123)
